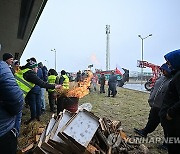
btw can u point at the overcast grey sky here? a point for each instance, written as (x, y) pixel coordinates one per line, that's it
(76, 29)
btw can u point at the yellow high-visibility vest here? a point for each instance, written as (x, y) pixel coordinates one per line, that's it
(51, 80)
(24, 85)
(65, 82)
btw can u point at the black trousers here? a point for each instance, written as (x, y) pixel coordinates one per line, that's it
(173, 130)
(8, 143)
(102, 88)
(60, 104)
(52, 100)
(153, 121)
(112, 90)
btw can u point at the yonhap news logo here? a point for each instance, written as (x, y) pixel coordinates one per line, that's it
(115, 140)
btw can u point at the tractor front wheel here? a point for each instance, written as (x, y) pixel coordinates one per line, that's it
(148, 85)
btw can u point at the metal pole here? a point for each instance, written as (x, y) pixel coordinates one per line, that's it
(107, 48)
(142, 62)
(142, 56)
(55, 58)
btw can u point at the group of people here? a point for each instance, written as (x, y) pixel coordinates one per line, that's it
(164, 101)
(112, 82)
(25, 84)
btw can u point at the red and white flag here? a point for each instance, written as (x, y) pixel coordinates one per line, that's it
(119, 70)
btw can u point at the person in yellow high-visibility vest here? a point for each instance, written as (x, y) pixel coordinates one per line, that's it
(52, 79)
(16, 66)
(64, 81)
(27, 79)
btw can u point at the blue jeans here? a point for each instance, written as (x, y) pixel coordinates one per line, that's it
(94, 86)
(35, 105)
(18, 122)
(112, 90)
(43, 103)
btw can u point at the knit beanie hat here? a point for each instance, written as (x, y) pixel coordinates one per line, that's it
(33, 59)
(15, 62)
(63, 72)
(32, 64)
(40, 65)
(165, 67)
(7, 56)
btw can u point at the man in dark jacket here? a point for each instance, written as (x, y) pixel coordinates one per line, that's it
(34, 98)
(78, 76)
(170, 110)
(11, 103)
(44, 71)
(31, 76)
(43, 90)
(8, 58)
(112, 85)
(102, 81)
(155, 101)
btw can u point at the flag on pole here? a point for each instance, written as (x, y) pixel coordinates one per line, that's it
(119, 70)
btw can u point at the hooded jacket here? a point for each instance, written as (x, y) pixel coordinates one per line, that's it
(112, 80)
(160, 87)
(158, 91)
(174, 59)
(11, 99)
(171, 102)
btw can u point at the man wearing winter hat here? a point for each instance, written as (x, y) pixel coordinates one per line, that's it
(155, 101)
(11, 104)
(8, 58)
(27, 78)
(170, 110)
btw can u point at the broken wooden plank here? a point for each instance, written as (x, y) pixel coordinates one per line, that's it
(29, 147)
(91, 150)
(64, 117)
(36, 139)
(40, 130)
(81, 128)
(47, 147)
(39, 150)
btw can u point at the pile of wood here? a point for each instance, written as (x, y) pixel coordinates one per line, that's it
(84, 133)
(111, 139)
(31, 135)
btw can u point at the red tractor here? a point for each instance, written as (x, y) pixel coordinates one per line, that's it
(121, 77)
(155, 70)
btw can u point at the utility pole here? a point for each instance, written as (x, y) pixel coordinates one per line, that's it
(107, 48)
(54, 50)
(142, 54)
